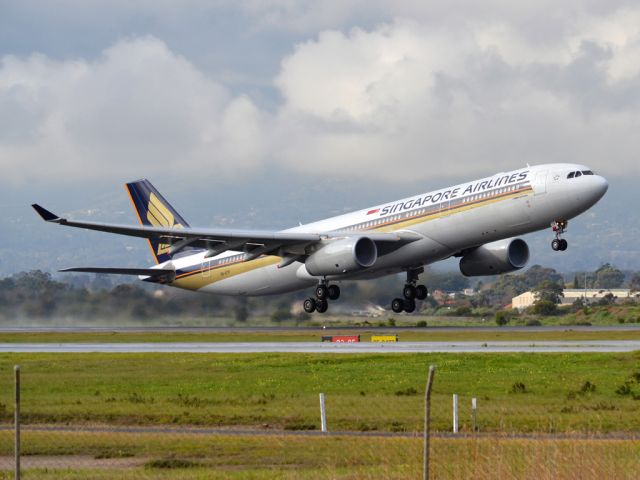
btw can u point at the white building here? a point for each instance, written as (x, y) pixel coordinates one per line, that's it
(527, 299)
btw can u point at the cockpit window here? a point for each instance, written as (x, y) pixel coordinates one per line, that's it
(587, 172)
(571, 175)
(578, 174)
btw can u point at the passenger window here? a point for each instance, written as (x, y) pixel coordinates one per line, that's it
(578, 174)
(571, 175)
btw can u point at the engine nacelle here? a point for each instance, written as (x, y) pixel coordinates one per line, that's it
(496, 257)
(342, 256)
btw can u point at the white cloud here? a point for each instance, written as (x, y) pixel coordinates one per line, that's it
(136, 109)
(402, 100)
(405, 101)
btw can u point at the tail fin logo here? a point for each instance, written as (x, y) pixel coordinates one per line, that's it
(160, 216)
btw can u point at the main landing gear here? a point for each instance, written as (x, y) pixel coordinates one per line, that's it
(411, 292)
(324, 293)
(558, 243)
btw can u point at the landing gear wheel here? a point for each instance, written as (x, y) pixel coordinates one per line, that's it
(334, 292)
(309, 305)
(409, 305)
(322, 306)
(397, 305)
(421, 292)
(409, 292)
(555, 244)
(563, 244)
(321, 292)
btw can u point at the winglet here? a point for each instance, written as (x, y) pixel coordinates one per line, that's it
(45, 214)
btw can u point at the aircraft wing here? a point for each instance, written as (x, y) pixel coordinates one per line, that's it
(217, 241)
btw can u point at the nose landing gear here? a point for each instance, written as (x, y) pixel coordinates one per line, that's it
(558, 243)
(411, 292)
(324, 293)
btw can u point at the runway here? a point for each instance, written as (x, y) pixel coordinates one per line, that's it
(305, 329)
(600, 346)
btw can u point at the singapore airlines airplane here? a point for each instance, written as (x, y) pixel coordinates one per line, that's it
(474, 221)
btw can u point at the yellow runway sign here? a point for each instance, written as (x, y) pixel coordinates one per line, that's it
(384, 338)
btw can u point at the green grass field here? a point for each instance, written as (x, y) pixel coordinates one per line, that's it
(364, 392)
(426, 334)
(278, 393)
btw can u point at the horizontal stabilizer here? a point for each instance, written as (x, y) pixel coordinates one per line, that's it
(147, 272)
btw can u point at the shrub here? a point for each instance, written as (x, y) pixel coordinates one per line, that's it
(410, 391)
(167, 463)
(421, 324)
(588, 387)
(280, 315)
(462, 312)
(297, 424)
(533, 323)
(624, 389)
(502, 318)
(398, 426)
(391, 322)
(545, 307)
(518, 387)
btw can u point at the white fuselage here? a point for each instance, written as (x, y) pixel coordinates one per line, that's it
(447, 222)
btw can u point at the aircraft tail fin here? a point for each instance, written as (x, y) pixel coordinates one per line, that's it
(153, 210)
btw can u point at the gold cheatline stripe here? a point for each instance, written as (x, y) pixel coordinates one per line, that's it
(195, 282)
(189, 280)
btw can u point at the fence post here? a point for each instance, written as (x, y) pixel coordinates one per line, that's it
(474, 410)
(427, 422)
(323, 414)
(16, 419)
(455, 413)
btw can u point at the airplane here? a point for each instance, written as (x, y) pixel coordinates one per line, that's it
(477, 221)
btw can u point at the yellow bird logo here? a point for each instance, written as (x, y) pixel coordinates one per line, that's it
(160, 216)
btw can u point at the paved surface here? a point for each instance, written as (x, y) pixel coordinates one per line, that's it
(326, 347)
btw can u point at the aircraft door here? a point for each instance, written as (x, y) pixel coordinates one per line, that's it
(540, 186)
(206, 268)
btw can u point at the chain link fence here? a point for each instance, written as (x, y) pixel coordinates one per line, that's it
(90, 425)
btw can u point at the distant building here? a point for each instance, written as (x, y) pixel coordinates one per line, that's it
(523, 300)
(527, 299)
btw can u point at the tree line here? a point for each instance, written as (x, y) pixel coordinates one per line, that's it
(37, 295)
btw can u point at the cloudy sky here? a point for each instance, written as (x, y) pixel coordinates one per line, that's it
(351, 91)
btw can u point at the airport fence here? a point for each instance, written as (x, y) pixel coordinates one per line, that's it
(106, 431)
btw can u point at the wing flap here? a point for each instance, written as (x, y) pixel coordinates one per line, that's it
(146, 272)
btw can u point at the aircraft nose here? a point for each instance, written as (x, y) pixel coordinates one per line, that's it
(599, 187)
(602, 185)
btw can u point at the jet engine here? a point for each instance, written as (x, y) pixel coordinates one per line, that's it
(342, 256)
(496, 257)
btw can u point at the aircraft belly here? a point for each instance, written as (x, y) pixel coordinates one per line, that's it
(265, 280)
(420, 252)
